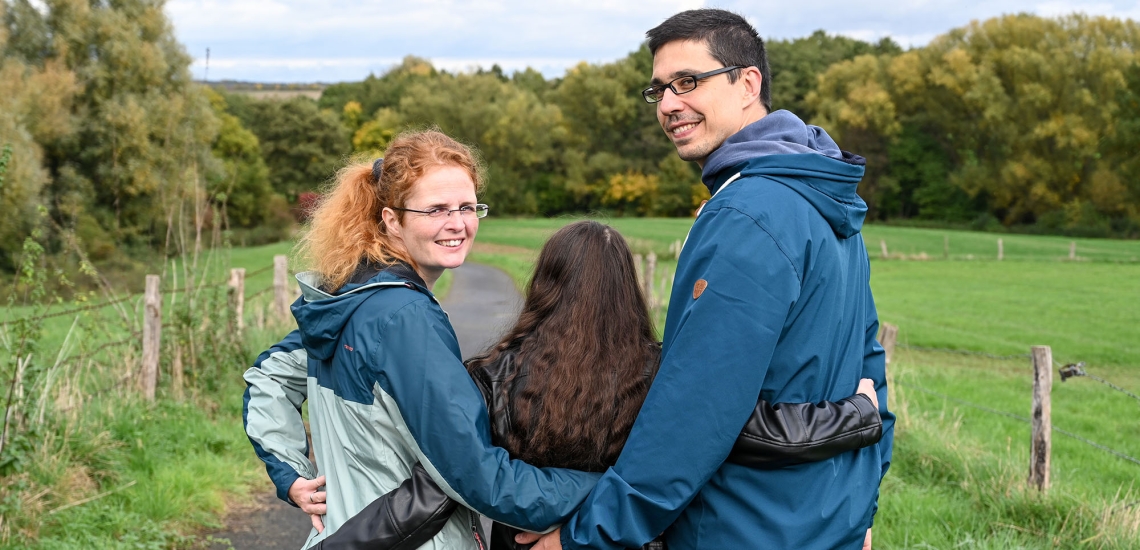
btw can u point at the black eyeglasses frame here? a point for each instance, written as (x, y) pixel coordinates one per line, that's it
(654, 94)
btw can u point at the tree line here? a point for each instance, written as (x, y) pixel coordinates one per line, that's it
(116, 152)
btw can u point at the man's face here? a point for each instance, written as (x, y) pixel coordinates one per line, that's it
(699, 121)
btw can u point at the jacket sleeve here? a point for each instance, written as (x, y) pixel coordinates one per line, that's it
(276, 386)
(692, 416)
(404, 519)
(874, 367)
(445, 419)
(793, 433)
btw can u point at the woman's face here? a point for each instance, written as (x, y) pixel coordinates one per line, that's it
(436, 243)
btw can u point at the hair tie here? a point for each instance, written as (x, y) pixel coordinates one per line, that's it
(377, 165)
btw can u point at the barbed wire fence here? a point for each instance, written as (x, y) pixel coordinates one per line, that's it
(1066, 372)
(1020, 418)
(133, 345)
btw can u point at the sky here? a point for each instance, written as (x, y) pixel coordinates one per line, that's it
(338, 40)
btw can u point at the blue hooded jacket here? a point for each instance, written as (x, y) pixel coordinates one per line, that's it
(784, 313)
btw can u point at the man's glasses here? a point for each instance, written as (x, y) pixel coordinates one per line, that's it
(439, 212)
(681, 85)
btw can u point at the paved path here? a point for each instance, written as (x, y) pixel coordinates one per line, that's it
(481, 302)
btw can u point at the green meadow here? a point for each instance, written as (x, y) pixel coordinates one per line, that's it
(966, 323)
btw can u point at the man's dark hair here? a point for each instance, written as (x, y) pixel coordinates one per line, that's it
(731, 41)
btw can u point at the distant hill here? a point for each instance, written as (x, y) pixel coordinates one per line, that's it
(270, 90)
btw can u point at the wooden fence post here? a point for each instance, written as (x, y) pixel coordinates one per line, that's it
(883, 247)
(888, 335)
(152, 336)
(639, 264)
(946, 247)
(237, 296)
(650, 275)
(280, 287)
(1001, 251)
(176, 371)
(1040, 446)
(1072, 250)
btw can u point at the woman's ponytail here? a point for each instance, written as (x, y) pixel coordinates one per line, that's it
(346, 228)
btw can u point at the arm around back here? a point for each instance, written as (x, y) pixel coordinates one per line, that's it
(795, 433)
(420, 374)
(404, 519)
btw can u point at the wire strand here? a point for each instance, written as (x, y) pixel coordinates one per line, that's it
(966, 352)
(82, 309)
(1025, 419)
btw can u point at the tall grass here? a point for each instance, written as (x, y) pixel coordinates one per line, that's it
(86, 462)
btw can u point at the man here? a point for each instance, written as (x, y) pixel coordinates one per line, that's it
(772, 299)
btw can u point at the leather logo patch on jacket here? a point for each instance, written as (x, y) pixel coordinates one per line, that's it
(699, 288)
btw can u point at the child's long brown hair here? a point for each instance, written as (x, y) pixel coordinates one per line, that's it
(589, 348)
(347, 227)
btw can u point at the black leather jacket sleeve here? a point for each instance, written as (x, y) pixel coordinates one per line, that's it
(404, 519)
(794, 433)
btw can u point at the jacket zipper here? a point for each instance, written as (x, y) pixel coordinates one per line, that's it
(476, 529)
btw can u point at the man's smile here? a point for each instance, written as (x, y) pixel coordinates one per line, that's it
(678, 129)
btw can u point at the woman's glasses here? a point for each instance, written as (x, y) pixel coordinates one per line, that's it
(439, 212)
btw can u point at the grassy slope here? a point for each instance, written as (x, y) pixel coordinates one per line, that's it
(118, 473)
(186, 460)
(959, 473)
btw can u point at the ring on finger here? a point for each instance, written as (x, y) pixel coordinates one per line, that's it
(311, 501)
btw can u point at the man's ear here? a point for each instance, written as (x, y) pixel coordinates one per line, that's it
(752, 83)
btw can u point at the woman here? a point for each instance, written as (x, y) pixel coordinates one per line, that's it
(378, 362)
(565, 383)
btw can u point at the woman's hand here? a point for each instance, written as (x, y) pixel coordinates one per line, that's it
(867, 387)
(549, 541)
(304, 493)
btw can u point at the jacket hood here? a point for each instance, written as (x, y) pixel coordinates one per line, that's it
(797, 155)
(322, 315)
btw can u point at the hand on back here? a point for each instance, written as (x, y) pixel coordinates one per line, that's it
(306, 494)
(867, 387)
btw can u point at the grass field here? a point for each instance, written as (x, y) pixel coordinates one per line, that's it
(958, 475)
(1080, 308)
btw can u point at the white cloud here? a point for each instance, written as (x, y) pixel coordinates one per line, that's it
(294, 40)
(1122, 10)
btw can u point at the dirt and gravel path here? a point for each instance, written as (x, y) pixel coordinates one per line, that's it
(481, 302)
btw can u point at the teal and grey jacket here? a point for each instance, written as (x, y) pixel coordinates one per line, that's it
(379, 365)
